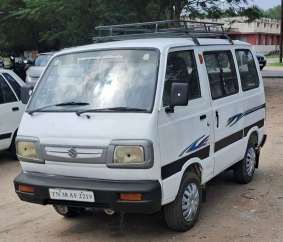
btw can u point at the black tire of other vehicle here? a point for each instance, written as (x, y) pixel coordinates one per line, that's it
(12, 148)
(68, 212)
(174, 212)
(244, 170)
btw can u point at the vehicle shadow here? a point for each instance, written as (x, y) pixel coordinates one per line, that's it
(6, 157)
(146, 227)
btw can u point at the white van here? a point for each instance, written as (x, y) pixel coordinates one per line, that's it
(140, 122)
(11, 109)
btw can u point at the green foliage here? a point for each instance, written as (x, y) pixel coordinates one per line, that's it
(55, 24)
(274, 12)
(252, 13)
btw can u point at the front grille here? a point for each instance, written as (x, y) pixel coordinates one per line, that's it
(75, 154)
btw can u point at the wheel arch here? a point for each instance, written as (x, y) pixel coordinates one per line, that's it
(171, 185)
(253, 136)
(194, 166)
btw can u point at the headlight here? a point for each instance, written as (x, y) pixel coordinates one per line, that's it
(128, 155)
(28, 151)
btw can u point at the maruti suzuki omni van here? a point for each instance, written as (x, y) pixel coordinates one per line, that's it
(141, 122)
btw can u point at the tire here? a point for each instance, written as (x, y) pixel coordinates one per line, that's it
(12, 148)
(175, 212)
(244, 170)
(68, 212)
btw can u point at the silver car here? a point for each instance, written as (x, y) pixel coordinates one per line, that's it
(33, 73)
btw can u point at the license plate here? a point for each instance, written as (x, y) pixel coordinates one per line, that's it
(71, 195)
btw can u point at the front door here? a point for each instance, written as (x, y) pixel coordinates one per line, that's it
(9, 114)
(186, 133)
(224, 88)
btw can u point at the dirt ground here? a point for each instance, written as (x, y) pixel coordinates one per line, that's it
(232, 212)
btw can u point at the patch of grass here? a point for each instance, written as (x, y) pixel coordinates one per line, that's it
(272, 56)
(277, 64)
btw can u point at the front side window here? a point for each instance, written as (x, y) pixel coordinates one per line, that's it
(14, 84)
(6, 93)
(221, 74)
(247, 69)
(103, 79)
(181, 67)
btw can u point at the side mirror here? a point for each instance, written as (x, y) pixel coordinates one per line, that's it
(179, 96)
(26, 92)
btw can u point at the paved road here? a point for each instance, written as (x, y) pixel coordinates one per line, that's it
(272, 72)
(232, 212)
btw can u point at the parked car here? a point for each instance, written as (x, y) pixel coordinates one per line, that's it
(143, 123)
(1, 63)
(34, 71)
(261, 60)
(11, 108)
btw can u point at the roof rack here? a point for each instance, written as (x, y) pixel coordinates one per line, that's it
(157, 29)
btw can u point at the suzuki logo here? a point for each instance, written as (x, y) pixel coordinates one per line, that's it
(72, 153)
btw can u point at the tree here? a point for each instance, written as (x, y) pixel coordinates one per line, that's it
(274, 12)
(252, 13)
(56, 24)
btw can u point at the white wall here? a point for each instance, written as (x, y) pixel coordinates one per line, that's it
(265, 49)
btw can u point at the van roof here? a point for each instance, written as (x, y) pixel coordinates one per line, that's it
(157, 43)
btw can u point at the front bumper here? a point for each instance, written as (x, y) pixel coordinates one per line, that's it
(106, 192)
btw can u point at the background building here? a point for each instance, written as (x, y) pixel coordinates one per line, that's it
(263, 34)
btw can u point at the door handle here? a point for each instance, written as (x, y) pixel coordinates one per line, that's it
(15, 109)
(202, 117)
(217, 119)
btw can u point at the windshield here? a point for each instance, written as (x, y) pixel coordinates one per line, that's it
(42, 60)
(104, 79)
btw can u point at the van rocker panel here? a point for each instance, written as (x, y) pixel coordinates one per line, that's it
(106, 192)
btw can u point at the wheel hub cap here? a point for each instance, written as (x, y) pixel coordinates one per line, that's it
(190, 202)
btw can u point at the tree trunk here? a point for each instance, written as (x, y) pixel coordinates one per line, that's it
(179, 5)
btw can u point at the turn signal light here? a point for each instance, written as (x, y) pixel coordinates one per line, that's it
(26, 188)
(130, 197)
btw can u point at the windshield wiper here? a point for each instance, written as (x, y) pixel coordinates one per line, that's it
(118, 109)
(73, 103)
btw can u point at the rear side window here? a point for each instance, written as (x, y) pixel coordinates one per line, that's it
(6, 93)
(14, 84)
(247, 69)
(221, 74)
(181, 67)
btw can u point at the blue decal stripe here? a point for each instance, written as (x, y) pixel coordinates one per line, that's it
(234, 119)
(200, 142)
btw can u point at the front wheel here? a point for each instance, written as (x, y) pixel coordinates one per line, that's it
(244, 170)
(182, 214)
(67, 211)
